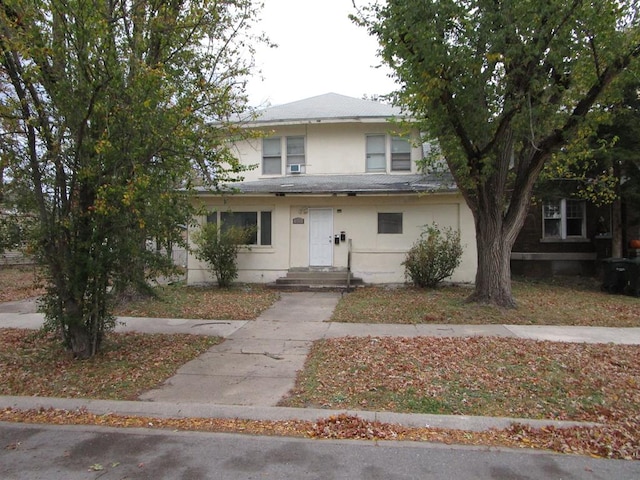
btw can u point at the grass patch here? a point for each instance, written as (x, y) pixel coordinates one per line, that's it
(501, 377)
(36, 364)
(179, 301)
(540, 303)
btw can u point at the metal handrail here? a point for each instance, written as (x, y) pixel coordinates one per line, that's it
(349, 265)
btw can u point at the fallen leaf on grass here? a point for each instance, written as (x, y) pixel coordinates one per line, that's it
(36, 364)
(488, 376)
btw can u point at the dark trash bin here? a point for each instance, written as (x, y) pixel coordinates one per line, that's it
(633, 276)
(615, 274)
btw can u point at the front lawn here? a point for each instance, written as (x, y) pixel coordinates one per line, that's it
(19, 283)
(36, 364)
(243, 302)
(489, 376)
(539, 303)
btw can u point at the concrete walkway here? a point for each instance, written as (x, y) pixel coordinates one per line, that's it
(256, 365)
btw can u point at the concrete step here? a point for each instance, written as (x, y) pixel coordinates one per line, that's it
(318, 275)
(317, 281)
(308, 279)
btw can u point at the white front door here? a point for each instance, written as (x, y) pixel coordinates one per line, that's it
(320, 237)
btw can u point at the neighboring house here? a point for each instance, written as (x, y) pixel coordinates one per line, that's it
(562, 236)
(336, 186)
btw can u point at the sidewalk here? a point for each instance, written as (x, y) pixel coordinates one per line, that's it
(245, 376)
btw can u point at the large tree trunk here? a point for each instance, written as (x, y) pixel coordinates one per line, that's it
(493, 277)
(80, 340)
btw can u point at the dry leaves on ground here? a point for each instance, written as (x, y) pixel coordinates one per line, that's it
(19, 283)
(618, 442)
(36, 364)
(178, 301)
(540, 303)
(502, 377)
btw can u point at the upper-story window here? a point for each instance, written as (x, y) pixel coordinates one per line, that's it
(295, 151)
(271, 156)
(376, 153)
(400, 154)
(272, 149)
(378, 149)
(563, 219)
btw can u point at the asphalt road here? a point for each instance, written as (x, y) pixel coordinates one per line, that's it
(69, 453)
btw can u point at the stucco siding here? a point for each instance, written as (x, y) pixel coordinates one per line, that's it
(376, 257)
(331, 148)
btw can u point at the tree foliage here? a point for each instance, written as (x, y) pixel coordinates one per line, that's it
(502, 86)
(111, 110)
(433, 257)
(603, 168)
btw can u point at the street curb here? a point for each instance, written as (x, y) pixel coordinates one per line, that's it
(201, 410)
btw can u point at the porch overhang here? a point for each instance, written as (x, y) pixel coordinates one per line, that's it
(348, 185)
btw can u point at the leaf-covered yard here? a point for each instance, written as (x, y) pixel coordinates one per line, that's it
(480, 376)
(244, 302)
(540, 303)
(19, 283)
(476, 376)
(35, 364)
(472, 376)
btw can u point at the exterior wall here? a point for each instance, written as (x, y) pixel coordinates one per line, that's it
(376, 258)
(535, 256)
(330, 148)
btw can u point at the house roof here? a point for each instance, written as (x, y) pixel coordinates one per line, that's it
(330, 106)
(346, 184)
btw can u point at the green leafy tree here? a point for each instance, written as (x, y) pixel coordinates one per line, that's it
(502, 86)
(434, 257)
(219, 247)
(112, 112)
(604, 169)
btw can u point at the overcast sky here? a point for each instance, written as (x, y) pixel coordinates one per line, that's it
(319, 51)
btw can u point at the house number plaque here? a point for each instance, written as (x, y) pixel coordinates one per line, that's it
(298, 221)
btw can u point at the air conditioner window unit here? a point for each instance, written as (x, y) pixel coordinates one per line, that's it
(295, 168)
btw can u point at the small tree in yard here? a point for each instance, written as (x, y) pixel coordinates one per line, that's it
(111, 113)
(433, 257)
(219, 247)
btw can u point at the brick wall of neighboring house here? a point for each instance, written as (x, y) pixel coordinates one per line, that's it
(535, 256)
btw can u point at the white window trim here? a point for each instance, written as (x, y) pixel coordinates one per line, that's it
(400, 170)
(285, 161)
(563, 224)
(262, 163)
(388, 154)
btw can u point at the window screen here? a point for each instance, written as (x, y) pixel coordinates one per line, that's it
(271, 156)
(295, 150)
(389, 222)
(376, 154)
(400, 154)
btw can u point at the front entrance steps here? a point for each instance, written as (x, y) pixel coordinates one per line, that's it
(316, 279)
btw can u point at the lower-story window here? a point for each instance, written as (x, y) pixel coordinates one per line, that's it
(564, 219)
(389, 222)
(260, 220)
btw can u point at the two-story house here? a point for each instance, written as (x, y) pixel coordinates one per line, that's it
(336, 187)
